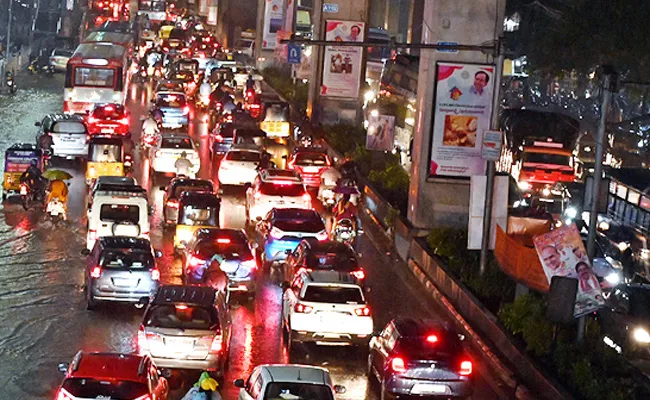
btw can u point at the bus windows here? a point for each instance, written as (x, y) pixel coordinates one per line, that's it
(96, 77)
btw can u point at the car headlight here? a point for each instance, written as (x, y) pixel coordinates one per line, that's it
(613, 278)
(523, 185)
(641, 335)
(571, 212)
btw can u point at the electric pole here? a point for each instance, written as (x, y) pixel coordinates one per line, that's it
(316, 64)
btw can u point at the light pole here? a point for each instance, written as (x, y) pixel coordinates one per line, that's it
(316, 63)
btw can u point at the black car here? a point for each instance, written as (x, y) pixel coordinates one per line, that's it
(625, 319)
(173, 193)
(329, 255)
(221, 138)
(420, 358)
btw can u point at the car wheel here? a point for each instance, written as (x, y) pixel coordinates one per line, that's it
(91, 303)
(371, 375)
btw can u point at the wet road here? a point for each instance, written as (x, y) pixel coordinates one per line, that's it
(42, 309)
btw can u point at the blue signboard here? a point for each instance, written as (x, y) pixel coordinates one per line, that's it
(293, 54)
(447, 44)
(331, 8)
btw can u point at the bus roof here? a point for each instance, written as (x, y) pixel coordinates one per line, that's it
(99, 50)
(112, 37)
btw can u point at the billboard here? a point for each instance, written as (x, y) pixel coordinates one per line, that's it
(381, 132)
(342, 65)
(273, 22)
(562, 253)
(462, 111)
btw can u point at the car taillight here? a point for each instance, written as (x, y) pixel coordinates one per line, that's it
(465, 368)
(250, 264)
(64, 395)
(432, 339)
(172, 203)
(302, 309)
(155, 274)
(158, 153)
(362, 312)
(397, 364)
(186, 110)
(359, 274)
(96, 272)
(322, 235)
(124, 121)
(92, 234)
(196, 261)
(218, 138)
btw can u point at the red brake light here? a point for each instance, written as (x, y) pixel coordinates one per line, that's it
(172, 203)
(64, 395)
(196, 261)
(218, 138)
(96, 272)
(359, 274)
(108, 108)
(362, 312)
(397, 364)
(223, 240)
(465, 368)
(92, 120)
(303, 309)
(155, 274)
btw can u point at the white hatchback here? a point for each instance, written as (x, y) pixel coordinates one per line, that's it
(275, 188)
(239, 166)
(169, 148)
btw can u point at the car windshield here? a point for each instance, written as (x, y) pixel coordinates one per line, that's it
(281, 189)
(126, 259)
(111, 112)
(177, 190)
(339, 261)
(105, 152)
(88, 388)
(446, 345)
(181, 316)
(333, 294)
(62, 53)
(178, 34)
(170, 100)
(297, 391)
(308, 225)
(233, 250)
(311, 159)
(252, 156)
(199, 216)
(546, 158)
(119, 213)
(176, 143)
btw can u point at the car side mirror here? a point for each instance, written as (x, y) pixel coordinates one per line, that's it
(238, 383)
(37, 123)
(339, 389)
(85, 252)
(285, 285)
(158, 253)
(63, 367)
(288, 252)
(162, 188)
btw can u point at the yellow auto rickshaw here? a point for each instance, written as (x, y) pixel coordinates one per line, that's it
(196, 210)
(275, 119)
(17, 159)
(105, 158)
(164, 31)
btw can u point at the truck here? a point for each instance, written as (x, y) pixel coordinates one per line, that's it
(539, 149)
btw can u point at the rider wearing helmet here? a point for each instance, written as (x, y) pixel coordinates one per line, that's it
(183, 165)
(33, 177)
(345, 209)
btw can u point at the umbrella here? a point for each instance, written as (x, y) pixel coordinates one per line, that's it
(346, 190)
(56, 174)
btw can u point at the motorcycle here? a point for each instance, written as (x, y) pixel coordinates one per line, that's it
(35, 67)
(56, 210)
(28, 196)
(142, 75)
(11, 85)
(328, 198)
(344, 232)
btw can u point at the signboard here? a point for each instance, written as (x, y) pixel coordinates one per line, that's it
(462, 110)
(342, 65)
(273, 22)
(331, 8)
(447, 50)
(381, 132)
(491, 145)
(562, 253)
(293, 54)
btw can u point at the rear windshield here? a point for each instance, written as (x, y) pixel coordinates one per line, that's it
(337, 295)
(227, 130)
(126, 259)
(446, 345)
(311, 159)
(298, 391)
(338, 261)
(178, 34)
(313, 225)
(120, 212)
(62, 53)
(181, 316)
(290, 190)
(105, 152)
(234, 250)
(243, 156)
(171, 100)
(276, 112)
(176, 143)
(69, 127)
(183, 75)
(87, 388)
(176, 193)
(108, 112)
(199, 216)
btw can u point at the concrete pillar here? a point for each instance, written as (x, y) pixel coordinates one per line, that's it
(435, 201)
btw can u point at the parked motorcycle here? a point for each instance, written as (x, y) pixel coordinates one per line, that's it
(36, 68)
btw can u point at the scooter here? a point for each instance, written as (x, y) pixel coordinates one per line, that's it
(345, 232)
(56, 210)
(328, 197)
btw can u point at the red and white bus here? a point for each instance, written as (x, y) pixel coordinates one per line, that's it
(97, 73)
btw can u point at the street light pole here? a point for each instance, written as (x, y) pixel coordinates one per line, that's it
(316, 63)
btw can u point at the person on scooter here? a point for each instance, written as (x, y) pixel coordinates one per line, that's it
(150, 128)
(250, 83)
(58, 190)
(328, 180)
(345, 209)
(184, 166)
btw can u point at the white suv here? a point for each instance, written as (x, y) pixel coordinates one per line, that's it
(288, 381)
(275, 188)
(325, 307)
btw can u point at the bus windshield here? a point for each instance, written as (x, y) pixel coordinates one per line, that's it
(95, 77)
(147, 5)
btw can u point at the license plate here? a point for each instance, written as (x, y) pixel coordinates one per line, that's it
(329, 318)
(311, 169)
(429, 388)
(180, 345)
(108, 130)
(116, 281)
(23, 190)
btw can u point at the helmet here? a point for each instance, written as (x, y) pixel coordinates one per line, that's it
(184, 154)
(33, 163)
(250, 76)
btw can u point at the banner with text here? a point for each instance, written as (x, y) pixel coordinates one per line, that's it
(462, 110)
(342, 65)
(273, 22)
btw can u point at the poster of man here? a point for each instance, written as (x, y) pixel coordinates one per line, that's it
(562, 253)
(381, 132)
(342, 65)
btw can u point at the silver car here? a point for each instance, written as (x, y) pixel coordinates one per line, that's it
(121, 269)
(59, 59)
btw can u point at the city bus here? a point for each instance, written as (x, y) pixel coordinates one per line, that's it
(97, 73)
(155, 10)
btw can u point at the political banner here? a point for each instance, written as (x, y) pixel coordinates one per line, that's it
(342, 65)
(381, 132)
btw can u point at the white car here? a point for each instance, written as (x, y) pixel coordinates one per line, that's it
(288, 381)
(326, 308)
(275, 188)
(59, 59)
(239, 166)
(168, 149)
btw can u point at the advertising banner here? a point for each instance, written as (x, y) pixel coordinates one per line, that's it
(562, 253)
(273, 22)
(342, 65)
(290, 15)
(462, 110)
(381, 133)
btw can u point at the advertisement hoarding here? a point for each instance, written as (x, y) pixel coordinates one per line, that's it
(462, 110)
(273, 22)
(381, 132)
(342, 65)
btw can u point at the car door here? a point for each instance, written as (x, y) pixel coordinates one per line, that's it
(290, 297)
(250, 391)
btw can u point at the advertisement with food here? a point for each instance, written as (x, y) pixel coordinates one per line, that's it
(273, 22)
(342, 65)
(462, 110)
(562, 253)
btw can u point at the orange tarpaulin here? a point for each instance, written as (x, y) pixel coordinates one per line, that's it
(520, 262)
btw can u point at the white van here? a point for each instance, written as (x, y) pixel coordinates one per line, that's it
(118, 213)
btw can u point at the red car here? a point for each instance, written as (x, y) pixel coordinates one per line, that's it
(310, 162)
(112, 376)
(109, 119)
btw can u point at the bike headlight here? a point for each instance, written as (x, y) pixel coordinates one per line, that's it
(571, 212)
(546, 192)
(641, 335)
(613, 278)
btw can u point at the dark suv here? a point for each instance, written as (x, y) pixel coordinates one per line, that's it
(422, 358)
(121, 269)
(327, 255)
(187, 327)
(173, 193)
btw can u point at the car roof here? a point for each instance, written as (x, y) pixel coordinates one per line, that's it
(287, 175)
(418, 327)
(122, 242)
(190, 294)
(296, 373)
(66, 117)
(328, 246)
(330, 277)
(127, 367)
(116, 180)
(23, 146)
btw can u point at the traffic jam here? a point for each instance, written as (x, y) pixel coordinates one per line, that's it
(222, 251)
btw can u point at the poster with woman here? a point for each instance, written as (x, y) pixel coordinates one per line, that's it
(562, 253)
(342, 65)
(381, 132)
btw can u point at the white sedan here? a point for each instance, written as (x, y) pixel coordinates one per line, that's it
(168, 149)
(239, 166)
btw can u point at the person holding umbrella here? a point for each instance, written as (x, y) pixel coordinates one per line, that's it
(57, 189)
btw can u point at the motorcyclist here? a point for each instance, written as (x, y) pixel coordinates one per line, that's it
(150, 127)
(156, 113)
(250, 83)
(33, 178)
(328, 180)
(58, 190)
(345, 209)
(45, 142)
(265, 161)
(240, 106)
(183, 165)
